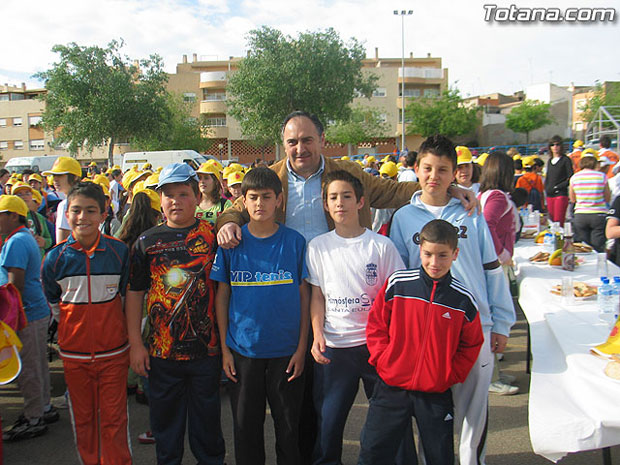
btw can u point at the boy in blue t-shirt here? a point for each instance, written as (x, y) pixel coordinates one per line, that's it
(262, 314)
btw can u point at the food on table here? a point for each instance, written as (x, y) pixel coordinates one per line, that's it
(541, 236)
(613, 369)
(555, 258)
(540, 257)
(580, 247)
(580, 289)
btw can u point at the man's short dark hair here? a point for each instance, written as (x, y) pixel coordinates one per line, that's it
(440, 146)
(439, 232)
(89, 190)
(605, 141)
(116, 173)
(411, 157)
(345, 176)
(3, 172)
(261, 178)
(518, 164)
(27, 172)
(296, 114)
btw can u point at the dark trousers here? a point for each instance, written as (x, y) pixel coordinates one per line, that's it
(335, 388)
(590, 228)
(260, 380)
(186, 392)
(390, 410)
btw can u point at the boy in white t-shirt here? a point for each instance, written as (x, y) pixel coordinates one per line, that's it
(346, 268)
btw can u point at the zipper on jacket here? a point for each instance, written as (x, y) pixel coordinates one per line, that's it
(427, 325)
(88, 308)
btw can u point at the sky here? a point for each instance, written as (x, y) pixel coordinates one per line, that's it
(481, 56)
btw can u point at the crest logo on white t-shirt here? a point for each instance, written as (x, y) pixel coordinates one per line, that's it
(371, 274)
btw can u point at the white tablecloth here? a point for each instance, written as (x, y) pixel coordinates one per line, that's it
(573, 406)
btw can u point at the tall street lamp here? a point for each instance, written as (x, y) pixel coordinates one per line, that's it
(402, 14)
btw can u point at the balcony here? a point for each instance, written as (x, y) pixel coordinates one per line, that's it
(213, 106)
(213, 79)
(217, 132)
(421, 75)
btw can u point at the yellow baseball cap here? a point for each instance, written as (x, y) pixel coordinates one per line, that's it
(517, 157)
(35, 177)
(152, 180)
(389, 168)
(463, 155)
(585, 153)
(528, 162)
(10, 361)
(578, 143)
(153, 197)
(345, 158)
(371, 159)
(102, 180)
(482, 158)
(214, 162)
(37, 197)
(209, 168)
(20, 186)
(147, 166)
(236, 177)
(65, 165)
(13, 204)
(92, 163)
(235, 167)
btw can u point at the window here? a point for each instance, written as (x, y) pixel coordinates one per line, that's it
(4, 145)
(379, 92)
(17, 121)
(2, 122)
(37, 144)
(579, 126)
(18, 144)
(580, 105)
(217, 96)
(17, 96)
(415, 93)
(189, 96)
(34, 120)
(4, 97)
(431, 93)
(216, 122)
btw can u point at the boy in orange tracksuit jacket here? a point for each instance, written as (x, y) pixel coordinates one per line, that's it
(84, 279)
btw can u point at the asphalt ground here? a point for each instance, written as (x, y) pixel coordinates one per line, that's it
(508, 440)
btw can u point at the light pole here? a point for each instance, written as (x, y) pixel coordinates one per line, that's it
(402, 14)
(221, 147)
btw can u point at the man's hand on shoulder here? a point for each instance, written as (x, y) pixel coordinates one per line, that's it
(229, 236)
(468, 198)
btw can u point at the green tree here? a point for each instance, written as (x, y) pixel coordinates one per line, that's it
(97, 95)
(315, 72)
(180, 131)
(607, 94)
(445, 115)
(363, 124)
(528, 116)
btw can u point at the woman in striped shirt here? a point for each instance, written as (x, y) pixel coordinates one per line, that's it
(589, 191)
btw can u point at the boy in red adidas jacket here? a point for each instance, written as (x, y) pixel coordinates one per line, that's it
(423, 335)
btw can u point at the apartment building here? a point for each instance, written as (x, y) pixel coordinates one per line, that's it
(203, 81)
(21, 134)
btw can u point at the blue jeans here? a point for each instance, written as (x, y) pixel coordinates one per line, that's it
(335, 388)
(186, 392)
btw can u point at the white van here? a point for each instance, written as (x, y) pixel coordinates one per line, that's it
(36, 164)
(163, 158)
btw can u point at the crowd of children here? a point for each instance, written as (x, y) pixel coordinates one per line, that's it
(416, 316)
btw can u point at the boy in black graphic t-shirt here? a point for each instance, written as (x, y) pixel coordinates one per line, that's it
(172, 262)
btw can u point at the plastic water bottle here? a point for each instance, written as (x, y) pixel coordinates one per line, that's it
(605, 300)
(549, 242)
(616, 289)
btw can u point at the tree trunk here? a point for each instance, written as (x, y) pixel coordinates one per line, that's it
(349, 149)
(111, 152)
(527, 137)
(277, 152)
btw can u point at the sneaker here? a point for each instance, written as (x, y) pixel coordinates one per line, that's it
(51, 415)
(146, 438)
(24, 429)
(141, 397)
(61, 401)
(499, 357)
(503, 389)
(506, 378)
